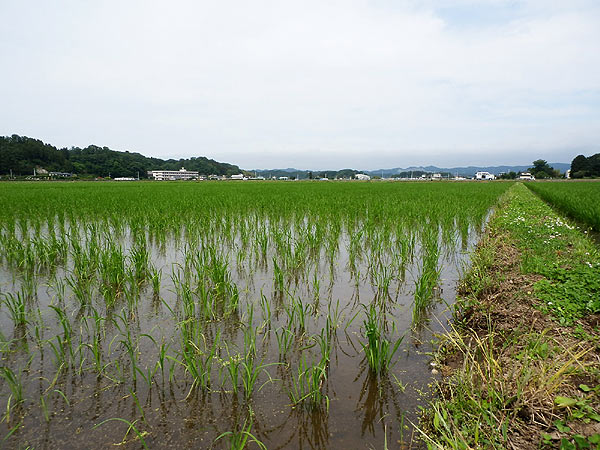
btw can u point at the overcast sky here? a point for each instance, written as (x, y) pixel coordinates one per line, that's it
(307, 84)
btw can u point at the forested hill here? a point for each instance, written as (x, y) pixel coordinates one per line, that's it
(22, 154)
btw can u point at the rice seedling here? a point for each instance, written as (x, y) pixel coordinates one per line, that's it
(239, 439)
(16, 307)
(155, 278)
(15, 384)
(63, 348)
(285, 338)
(307, 383)
(250, 370)
(197, 358)
(379, 351)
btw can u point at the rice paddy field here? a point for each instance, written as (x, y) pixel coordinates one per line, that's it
(578, 199)
(218, 315)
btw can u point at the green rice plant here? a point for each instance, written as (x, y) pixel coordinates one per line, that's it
(266, 308)
(155, 277)
(162, 356)
(112, 273)
(63, 348)
(383, 276)
(14, 383)
(140, 261)
(205, 302)
(44, 408)
(250, 370)
(131, 345)
(307, 383)
(315, 286)
(239, 440)
(232, 366)
(430, 273)
(297, 312)
(15, 304)
(285, 338)
(334, 318)
(262, 240)
(198, 361)
(323, 340)
(278, 277)
(379, 351)
(424, 290)
(138, 405)
(81, 288)
(578, 199)
(59, 287)
(95, 348)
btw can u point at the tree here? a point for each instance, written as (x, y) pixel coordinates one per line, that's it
(541, 169)
(579, 167)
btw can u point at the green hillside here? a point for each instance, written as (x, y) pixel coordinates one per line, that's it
(21, 155)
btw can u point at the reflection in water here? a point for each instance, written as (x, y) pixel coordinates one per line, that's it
(126, 360)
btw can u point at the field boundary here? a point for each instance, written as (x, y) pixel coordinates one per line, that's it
(520, 364)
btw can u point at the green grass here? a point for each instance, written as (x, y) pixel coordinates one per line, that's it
(578, 199)
(510, 372)
(554, 248)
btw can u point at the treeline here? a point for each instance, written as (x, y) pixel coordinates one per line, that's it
(585, 167)
(21, 155)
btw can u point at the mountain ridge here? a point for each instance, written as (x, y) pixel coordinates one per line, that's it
(462, 170)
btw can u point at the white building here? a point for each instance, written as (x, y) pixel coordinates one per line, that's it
(362, 176)
(239, 176)
(485, 176)
(436, 176)
(180, 174)
(526, 176)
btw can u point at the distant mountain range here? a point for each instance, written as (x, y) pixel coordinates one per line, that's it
(21, 155)
(464, 171)
(467, 171)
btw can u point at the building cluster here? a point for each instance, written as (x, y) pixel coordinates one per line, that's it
(180, 174)
(183, 174)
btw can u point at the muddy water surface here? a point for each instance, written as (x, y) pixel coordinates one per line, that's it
(108, 385)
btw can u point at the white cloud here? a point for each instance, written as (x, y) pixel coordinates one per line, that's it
(352, 83)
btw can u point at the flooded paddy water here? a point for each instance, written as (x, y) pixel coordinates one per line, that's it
(289, 315)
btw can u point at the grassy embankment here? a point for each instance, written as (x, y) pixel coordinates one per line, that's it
(522, 364)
